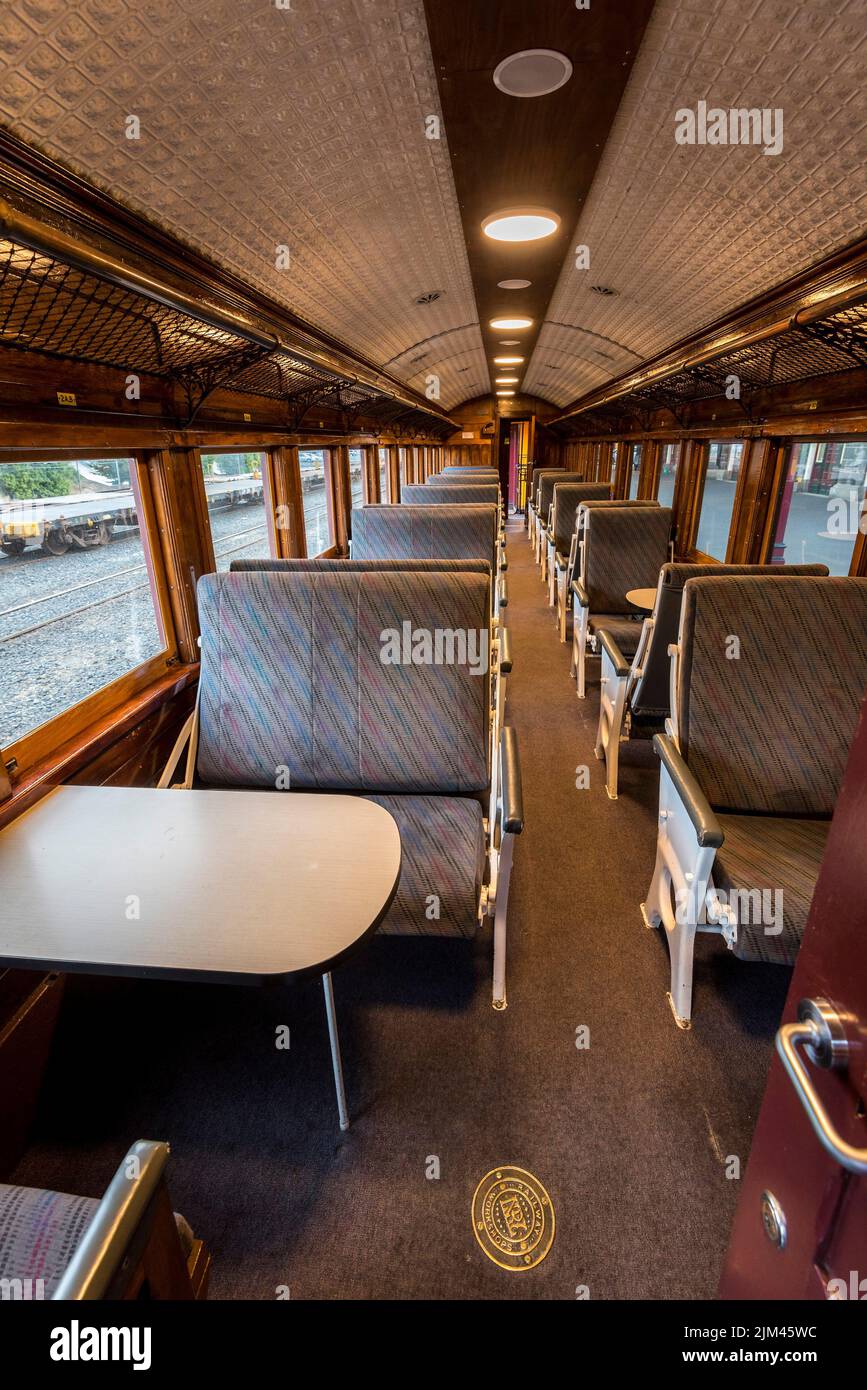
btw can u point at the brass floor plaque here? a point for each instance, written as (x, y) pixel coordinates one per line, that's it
(513, 1218)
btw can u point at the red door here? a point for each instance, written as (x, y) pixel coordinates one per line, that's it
(801, 1226)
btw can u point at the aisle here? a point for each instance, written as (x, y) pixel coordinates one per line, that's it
(629, 1136)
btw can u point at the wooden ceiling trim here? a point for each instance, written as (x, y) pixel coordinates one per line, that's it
(510, 152)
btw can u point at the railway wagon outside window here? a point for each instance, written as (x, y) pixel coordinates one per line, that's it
(668, 474)
(718, 496)
(78, 606)
(821, 504)
(356, 477)
(236, 506)
(384, 488)
(312, 464)
(634, 470)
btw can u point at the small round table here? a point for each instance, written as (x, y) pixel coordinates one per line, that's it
(642, 598)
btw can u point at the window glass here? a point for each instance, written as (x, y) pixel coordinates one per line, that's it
(718, 497)
(635, 470)
(668, 474)
(315, 495)
(77, 607)
(384, 489)
(236, 506)
(356, 477)
(615, 455)
(822, 506)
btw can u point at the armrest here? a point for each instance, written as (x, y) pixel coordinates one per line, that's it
(510, 783)
(613, 652)
(580, 593)
(115, 1223)
(503, 592)
(549, 535)
(707, 828)
(505, 640)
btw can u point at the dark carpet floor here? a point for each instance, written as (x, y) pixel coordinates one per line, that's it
(630, 1136)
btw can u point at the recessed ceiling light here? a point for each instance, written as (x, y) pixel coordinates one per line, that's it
(506, 380)
(520, 224)
(509, 342)
(508, 361)
(514, 284)
(505, 393)
(533, 72)
(511, 323)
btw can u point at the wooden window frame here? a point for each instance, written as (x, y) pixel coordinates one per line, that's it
(37, 745)
(781, 463)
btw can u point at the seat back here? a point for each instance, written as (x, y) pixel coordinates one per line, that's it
(419, 495)
(771, 676)
(547, 482)
(481, 480)
(567, 497)
(426, 533)
(536, 481)
(320, 566)
(624, 548)
(652, 692)
(360, 681)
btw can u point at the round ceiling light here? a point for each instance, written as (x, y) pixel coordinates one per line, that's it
(506, 380)
(514, 284)
(505, 393)
(520, 224)
(511, 323)
(533, 72)
(509, 342)
(508, 361)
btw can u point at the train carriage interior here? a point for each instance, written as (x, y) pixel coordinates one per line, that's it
(433, 650)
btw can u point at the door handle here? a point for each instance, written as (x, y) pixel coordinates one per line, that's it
(820, 1030)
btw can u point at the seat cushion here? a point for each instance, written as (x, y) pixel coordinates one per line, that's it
(442, 845)
(780, 858)
(625, 631)
(39, 1234)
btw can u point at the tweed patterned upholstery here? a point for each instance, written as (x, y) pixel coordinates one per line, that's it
(567, 497)
(40, 1232)
(482, 475)
(770, 731)
(652, 693)
(426, 533)
(420, 495)
(545, 496)
(442, 845)
(360, 566)
(625, 631)
(780, 856)
(286, 659)
(624, 548)
(536, 478)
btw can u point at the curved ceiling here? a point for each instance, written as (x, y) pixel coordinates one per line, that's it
(686, 233)
(306, 128)
(261, 128)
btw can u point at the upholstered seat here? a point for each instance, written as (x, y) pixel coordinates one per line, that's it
(778, 858)
(39, 1234)
(625, 631)
(442, 842)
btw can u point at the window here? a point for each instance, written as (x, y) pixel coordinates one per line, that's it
(634, 471)
(822, 506)
(384, 480)
(404, 465)
(356, 478)
(236, 506)
(615, 455)
(78, 604)
(315, 495)
(718, 497)
(668, 474)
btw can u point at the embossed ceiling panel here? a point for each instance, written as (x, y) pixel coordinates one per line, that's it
(686, 233)
(262, 128)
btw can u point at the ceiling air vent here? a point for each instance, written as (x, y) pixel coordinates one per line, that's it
(605, 290)
(429, 297)
(534, 72)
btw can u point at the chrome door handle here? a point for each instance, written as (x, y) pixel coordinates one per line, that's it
(821, 1031)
